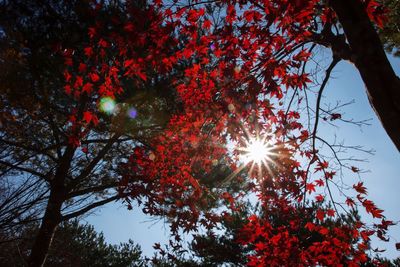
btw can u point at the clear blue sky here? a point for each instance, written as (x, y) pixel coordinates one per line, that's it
(383, 181)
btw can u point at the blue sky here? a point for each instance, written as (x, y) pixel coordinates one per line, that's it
(382, 179)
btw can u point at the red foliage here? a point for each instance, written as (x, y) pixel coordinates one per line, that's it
(245, 69)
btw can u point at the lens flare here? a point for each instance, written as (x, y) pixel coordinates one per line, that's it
(107, 105)
(132, 113)
(257, 151)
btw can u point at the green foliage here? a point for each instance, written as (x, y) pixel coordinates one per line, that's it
(390, 34)
(74, 244)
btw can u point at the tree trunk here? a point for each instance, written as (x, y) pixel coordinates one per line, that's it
(382, 84)
(51, 219)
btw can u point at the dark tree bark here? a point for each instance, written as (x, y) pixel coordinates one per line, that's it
(368, 55)
(51, 219)
(52, 216)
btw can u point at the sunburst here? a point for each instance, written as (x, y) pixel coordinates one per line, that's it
(257, 152)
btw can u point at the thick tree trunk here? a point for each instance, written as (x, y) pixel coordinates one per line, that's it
(52, 216)
(51, 219)
(382, 84)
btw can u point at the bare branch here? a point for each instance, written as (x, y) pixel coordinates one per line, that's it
(321, 90)
(90, 207)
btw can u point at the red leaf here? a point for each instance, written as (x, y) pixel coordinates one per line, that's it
(87, 116)
(87, 88)
(88, 51)
(82, 67)
(319, 182)
(142, 76)
(335, 116)
(129, 27)
(207, 24)
(350, 202)
(320, 215)
(320, 198)
(128, 63)
(310, 188)
(310, 226)
(94, 77)
(323, 231)
(92, 32)
(322, 165)
(330, 212)
(360, 188)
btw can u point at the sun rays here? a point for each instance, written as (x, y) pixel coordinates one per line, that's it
(258, 153)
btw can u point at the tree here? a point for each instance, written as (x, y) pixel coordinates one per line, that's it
(230, 246)
(71, 157)
(242, 71)
(227, 79)
(74, 244)
(367, 54)
(390, 34)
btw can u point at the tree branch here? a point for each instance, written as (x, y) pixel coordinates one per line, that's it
(90, 207)
(91, 190)
(321, 90)
(94, 162)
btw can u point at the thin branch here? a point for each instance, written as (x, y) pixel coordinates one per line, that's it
(95, 161)
(90, 207)
(91, 190)
(321, 90)
(15, 166)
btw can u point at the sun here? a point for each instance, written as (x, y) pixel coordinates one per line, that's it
(258, 153)
(256, 150)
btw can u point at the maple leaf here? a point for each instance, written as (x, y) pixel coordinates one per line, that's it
(82, 67)
(322, 165)
(92, 32)
(310, 187)
(128, 63)
(207, 79)
(129, 27)
(320, 215)
(360, 188)
(67, 89)
(350, 202)
(365, 234)
(275, 239)
(187, 53)
(95, 77)
(142, 75)
(330, 212)
(88, 51)
(371, 208)
(335, 116)
(103, 43)
(207, 24)
(304, 135)
(323, 231)
(87, 88)
(87, 116)
(310, 226)
(67, 76)
(320, 182)
(320, 198)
